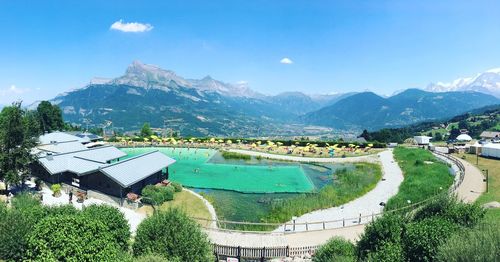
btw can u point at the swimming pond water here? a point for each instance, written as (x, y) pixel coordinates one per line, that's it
(194, 169)
(226, 183)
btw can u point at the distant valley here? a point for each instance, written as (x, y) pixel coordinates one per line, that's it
(209, 107)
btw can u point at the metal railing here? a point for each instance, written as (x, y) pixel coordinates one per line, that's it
(458, 181)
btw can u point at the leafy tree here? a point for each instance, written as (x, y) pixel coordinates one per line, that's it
(387, 252)
(462, 124)
(15, 147)
(454, 132)
(366, 135)
(71, 238)
(31, 124)
(50, 117)
(384, 230)
(146, 130)
(16, 223)
(438, 136)
(336, 249)
(422, 239)
(113, 219)
(173, 235)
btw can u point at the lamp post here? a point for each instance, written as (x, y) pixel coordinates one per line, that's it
(486, 179)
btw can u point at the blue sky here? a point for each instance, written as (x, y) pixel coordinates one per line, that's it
(48, 47)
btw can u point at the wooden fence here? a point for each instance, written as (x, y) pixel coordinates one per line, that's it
(261, 253)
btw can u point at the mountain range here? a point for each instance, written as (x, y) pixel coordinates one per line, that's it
(203, 107)
(487, 82)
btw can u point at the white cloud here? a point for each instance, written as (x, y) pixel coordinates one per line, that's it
(133, 27)
(286, 61)
(13, 90)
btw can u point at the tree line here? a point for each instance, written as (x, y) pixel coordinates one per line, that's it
(19, 131)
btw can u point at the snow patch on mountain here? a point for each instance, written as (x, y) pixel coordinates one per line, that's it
(487, 82)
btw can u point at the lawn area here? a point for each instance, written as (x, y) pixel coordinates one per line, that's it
(424, 176)
(493, 167)
(192, 205)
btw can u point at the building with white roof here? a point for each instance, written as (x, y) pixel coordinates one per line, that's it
(491, 150)
(99, 169)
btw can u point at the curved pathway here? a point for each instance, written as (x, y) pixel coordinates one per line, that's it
(366, 205)
(473, 185)
(366, 158)
(363, 207)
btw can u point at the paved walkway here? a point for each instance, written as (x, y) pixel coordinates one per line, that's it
(367, 158)
(473, 185)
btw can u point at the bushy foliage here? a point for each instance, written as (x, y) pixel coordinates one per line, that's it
(56, 188)
(387, 252)
(113, 219)
(384, 231)
(234, 155)
(156, 195)
(421, 239)
(174, 235)
(479, 244)
(71, 238)
(177, 187)
(154, 258)
(336, 249)
(448, 207)
(15, 225)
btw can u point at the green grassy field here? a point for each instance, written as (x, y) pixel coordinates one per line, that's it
(493, 194)
(424, 177)
(189, 203)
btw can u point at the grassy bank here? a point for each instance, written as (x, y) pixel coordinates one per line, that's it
(424, 176)
(189, 203)
(493, 194)
(348, 185)
(234, 155)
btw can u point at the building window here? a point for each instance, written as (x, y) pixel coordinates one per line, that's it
(75, 182)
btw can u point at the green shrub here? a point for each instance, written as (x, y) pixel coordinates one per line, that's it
(56, 189)
(234, 155)
(174, 235)
(177, 186)
(421, 239)
(448, 207)
(336, 249)
(25, 202)
(15, 225)
(61, 210)
(479, 244)
(113, 219)
(387, 252)
(385, 230)
(154, 258)
(71, 238)
(156, 195)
